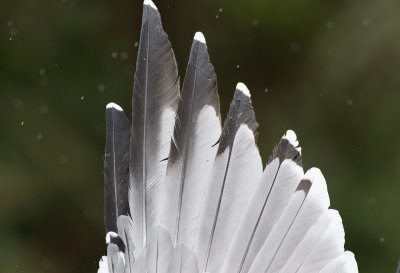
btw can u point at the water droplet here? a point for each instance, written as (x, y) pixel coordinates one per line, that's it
(349, 102)
(101, 88)
(114, 54)
(266, 90)
(237, 66)
(136, 44)
(42, 71)
(365, 22)
(22, 123)
(124, 55)
(82, 98)
(63, 159)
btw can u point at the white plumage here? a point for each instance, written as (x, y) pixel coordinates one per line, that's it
(197, 199)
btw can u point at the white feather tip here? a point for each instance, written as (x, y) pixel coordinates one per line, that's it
(200, 37)
(113, 105)
(292, 138)
(150, 4)
(243, 88)
(109, 235)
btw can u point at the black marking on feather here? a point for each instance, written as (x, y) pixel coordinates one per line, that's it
(216, 143)
(156, 88)
(118, 242)
(240, 112)
(304, 185)
(116, 168)
(285, 150)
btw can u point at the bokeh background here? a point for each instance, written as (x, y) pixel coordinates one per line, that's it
(327, 69)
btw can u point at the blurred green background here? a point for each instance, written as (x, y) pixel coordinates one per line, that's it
(327, 69)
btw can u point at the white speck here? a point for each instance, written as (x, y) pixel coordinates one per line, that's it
(266, 90)
(243, 88)
(10, 38)
(329, 24)
(237, 66)
(216, 16)
(101, 88)
(198, 36)
(39, 137)
(114, 105)
(136, 44)
(82, 98)
(255, 22)
(294, 47)
(43, 109)
(42, 71)
(381, 239)
(124, 55)
(365, 22)
(22, 123)
(114, 54)
(149, 3)
(220, 10)
(349, 102)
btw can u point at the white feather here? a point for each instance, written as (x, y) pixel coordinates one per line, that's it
(293, 224)
(182, 218)
(323, 243)
(103, 265)
(125, 231)
(225, 204)
(159, 250)
(184, 260)
(269, 200)
(346, 263)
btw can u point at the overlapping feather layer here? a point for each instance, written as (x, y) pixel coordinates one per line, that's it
(184, 195)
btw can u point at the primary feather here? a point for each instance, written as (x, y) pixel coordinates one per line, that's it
(197, 129)
(197, 199)
(154, 102)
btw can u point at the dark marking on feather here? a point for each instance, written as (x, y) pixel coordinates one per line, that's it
(240, 112)
(304, 185)
(285, 150)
